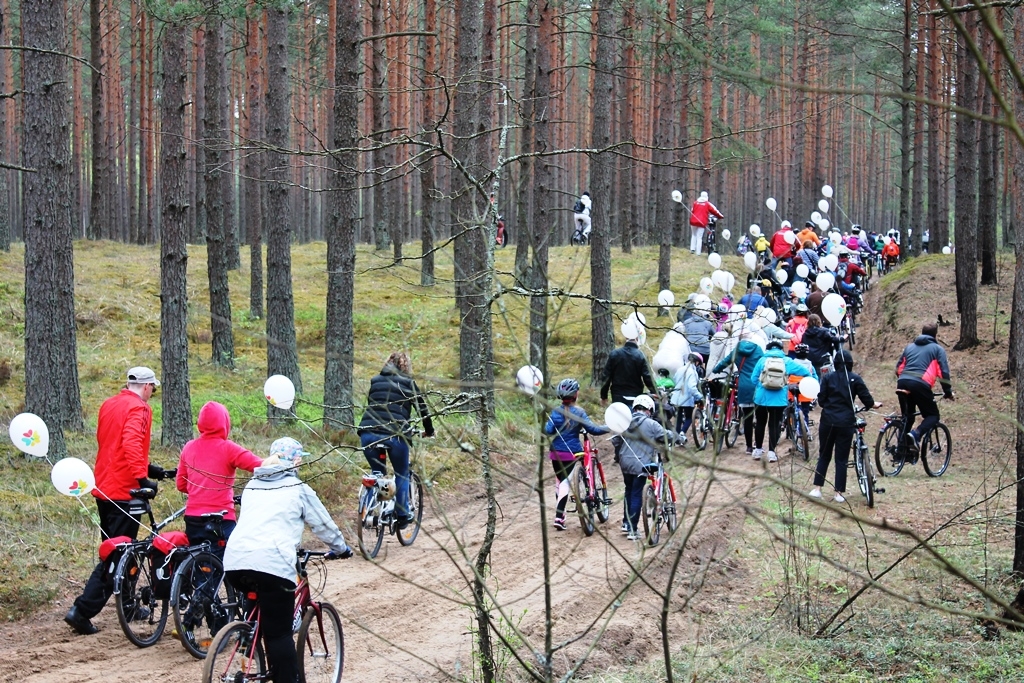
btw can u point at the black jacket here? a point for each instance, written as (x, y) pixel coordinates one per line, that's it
(626, 373)
(838, 389)
(820, 342)
(389, 405)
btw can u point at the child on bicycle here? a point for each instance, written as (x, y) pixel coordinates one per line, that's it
(641, 445)
(838, 422)
(565, 423)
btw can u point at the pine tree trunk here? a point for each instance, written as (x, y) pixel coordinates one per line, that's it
(282, 355)
(906, 109)
(602, 170)
(988, 187)
(383, 158)
(936, 205)
(917, 214)
(223, 352)
(102, 189)
(343, 213)
(174, 389)
(1016, 342)
(199, 228)
(51, 367)
(966, 200)
(254, 161)
(428, 177)
(5, 153)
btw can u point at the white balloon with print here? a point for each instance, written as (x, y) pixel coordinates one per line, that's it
(809, 387)
(750, 261)
(29, 434)
(755, 230)
(738, 312)
(618, 416)
(825, 281)
(714, 260)
(706, 285)
(529, 379)
(280, 391)
(72, 477)
(802, 270)
(666, 297)
(834, 308)
(781, 276)
(826, 191)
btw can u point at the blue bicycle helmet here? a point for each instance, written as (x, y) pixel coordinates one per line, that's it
(568, 388)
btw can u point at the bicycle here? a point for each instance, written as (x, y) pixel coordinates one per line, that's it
(658, 509)
(141, 578)
(725, 416)
(589, 488)
(236, 653)
(702, 425)
(862, 463)
(710, 242)
(377, 513)
(892, 452)
(795, 423)
(201, 601)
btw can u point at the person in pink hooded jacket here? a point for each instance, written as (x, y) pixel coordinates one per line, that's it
(206, 473)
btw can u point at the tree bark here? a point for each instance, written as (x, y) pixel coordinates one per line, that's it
(383, 156)
(175, 398)
(51, 365)
(223, 343)
(102, 188)
(602, 170)
(428, 178)
(966, 202)
(906, 110)
(254, 160)
(343, 214)
(5, 153)
(1015, 362)
(282, 354)
(988, 188)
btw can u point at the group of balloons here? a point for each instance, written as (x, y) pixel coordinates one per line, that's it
(70, 476)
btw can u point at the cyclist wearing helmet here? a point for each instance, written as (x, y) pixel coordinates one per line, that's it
(797, 325)
(686, 394)
(260, 555)
(641, 445)
(565, 423)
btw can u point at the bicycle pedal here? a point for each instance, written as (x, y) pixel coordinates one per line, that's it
(879, 490)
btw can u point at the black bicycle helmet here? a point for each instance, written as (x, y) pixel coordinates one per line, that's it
(801, 350)
(773, 344)
(568, 388)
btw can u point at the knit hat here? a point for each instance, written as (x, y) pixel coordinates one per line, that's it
(287, 449)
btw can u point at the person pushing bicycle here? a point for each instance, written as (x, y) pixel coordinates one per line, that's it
(642, 444)
(565, 423)
(922, 364)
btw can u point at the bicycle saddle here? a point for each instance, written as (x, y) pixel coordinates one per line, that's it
(651, 468)
(143, 494)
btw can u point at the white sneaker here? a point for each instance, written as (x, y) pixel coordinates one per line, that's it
(772, 457)
(815, 494)
(839, 498)
(757, 453)
(632, 536)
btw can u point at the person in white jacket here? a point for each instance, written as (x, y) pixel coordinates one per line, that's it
(261, 552)
(581, 214)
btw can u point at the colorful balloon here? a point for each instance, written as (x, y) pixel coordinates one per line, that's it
(72, 477)
(280, 391)
(29, 434)
(706, 285)
(529, 379)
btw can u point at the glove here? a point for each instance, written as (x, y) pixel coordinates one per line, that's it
(171, 473)
(343, 555)
(148, 484)
(156, 472)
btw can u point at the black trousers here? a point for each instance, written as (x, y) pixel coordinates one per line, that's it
(833, 439)
(919, 398)
(770, 417)
(114, 521)
(276, 598)
(563, 468)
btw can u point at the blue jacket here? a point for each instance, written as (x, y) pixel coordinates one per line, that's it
(752, 300)
(746, 357)
(566, 423)
(775, 398)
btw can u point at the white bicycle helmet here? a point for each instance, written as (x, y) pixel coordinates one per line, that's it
(644, 401)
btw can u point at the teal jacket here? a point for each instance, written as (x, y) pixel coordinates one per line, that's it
(776, 398)
(746, 356)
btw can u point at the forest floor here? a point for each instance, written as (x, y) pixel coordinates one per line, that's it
(759, 567)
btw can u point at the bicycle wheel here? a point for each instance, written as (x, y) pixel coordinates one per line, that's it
(321, 646)
(851, 325)
(201, 602)
(581, 492)
(936, 450)
(651, 514)
(802, 441)
(733, 432)
(602, 503)
(888, 452)
(407, 535)
(369, 527)
(863, 468)
(718, 428)
(141, 614)
(235, 656)
(700, 429)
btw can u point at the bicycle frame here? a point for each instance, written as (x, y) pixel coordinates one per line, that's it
(592, 466)
(658, 481)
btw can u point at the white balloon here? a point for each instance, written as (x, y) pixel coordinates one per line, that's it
(702, 304)
(29, 434)
(826, 191)
(729, 281)
(771, 203)
(835, 237)
(618, 416)
(677, 196)
(809, 387)
(781, 276)
(630, 329)
(280, 391)
(802, 270)
(768, 314)
(789, 237)
(825, 281)
(750, 261)
(706, 285)
(815, 217)
(714, 260)
(639, 317)
(834, 308)
(823, 205)
(726, 234)
(717, 279)
(529, 379)
(823, 224)
(738, 312)
(72, 477)
(755, 230)
(799, 289)
(945, 250)
(887, 239)
(666, 297)
(830, 262)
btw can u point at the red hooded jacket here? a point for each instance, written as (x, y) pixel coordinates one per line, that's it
(206, 471)
(700, 212)
(122, 434)
(780, 247)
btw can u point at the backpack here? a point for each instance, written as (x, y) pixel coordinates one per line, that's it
(773, 373)
(578, 206)
(797, 329)
(841, 271)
